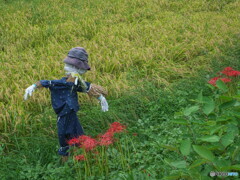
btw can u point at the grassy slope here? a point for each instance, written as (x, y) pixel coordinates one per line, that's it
(129, 42)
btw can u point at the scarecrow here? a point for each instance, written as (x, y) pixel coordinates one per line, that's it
(64, 96)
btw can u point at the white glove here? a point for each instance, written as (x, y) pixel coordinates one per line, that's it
(29, 91)
(103, 102)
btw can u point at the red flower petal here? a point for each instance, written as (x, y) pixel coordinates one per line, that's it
(116, 127)
(106, 139)
(87, 142)
(226, 80)
(213, 81)
(73, 141)
(80, 157)
(228, 71)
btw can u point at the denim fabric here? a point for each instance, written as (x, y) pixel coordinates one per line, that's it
(68, 128)
(63, 95)
(65, 104)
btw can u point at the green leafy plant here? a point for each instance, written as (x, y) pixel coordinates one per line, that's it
(212, 127)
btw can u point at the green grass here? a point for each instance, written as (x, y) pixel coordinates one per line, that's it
(150, 55)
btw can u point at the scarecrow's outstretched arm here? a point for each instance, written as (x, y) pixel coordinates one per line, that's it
(99, 93)
(31, 89)
(96, 91)
(39, 85)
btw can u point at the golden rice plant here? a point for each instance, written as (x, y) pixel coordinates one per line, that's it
(129, 41)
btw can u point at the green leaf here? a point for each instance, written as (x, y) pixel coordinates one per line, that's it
(227, 139)
(209, 106)
(236, 154)
(204, 177)
(167, 161)
(172, 177)
(210, 123)
(180, 121)
(220, 163)
(225, 118)
(215, 147)
(227, 104)
(233, 128)
(235, 167)
(204, 152)
(210, 86)
(221, 85)
(197, 163)
(179, 164)
(185, 147)
(200, 98)
(190, 110)
(215, 129)
(213, 138)
(226, 98)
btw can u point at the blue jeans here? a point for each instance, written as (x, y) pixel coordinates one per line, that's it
(68, 128)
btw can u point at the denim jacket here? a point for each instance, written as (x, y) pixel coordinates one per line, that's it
(63, 95)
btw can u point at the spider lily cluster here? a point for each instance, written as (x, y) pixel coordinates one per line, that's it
(88, 143)
(228, 74)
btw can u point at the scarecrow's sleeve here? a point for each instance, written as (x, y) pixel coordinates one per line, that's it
(53, 83)
(46, 83)
(96, 91)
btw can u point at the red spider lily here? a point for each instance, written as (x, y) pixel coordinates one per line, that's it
(228, 71)
(226, 80)
(116, 127)
(80, 157)
(106, 139)
(87, 142)
(214, 80)
(82, 138)
(234, 73)
(73, 141)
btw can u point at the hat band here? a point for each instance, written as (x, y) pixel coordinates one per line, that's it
(77, 58)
